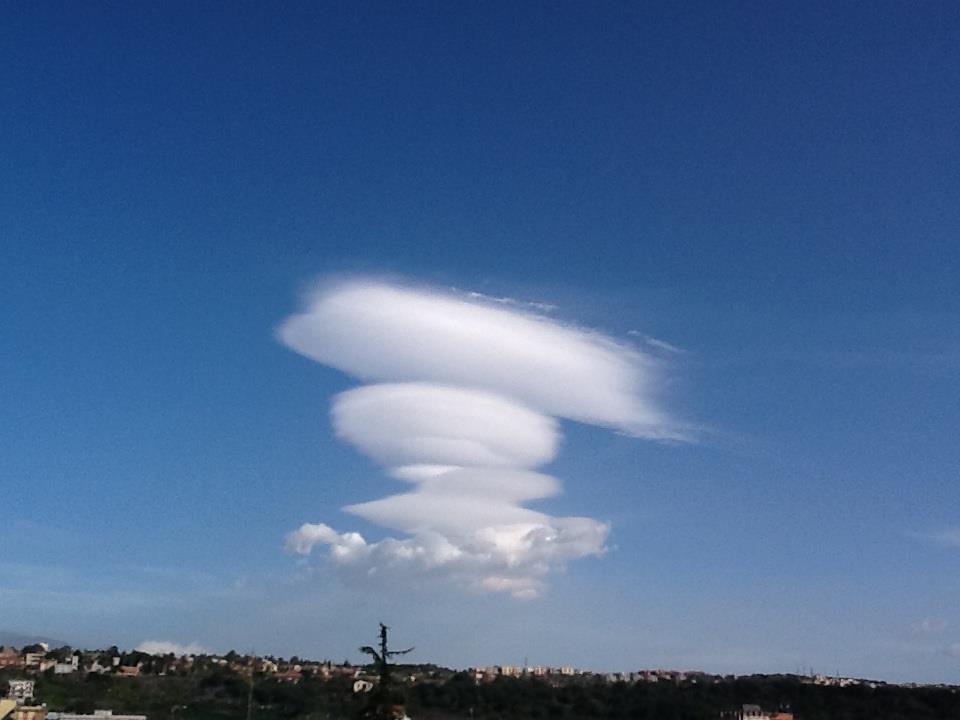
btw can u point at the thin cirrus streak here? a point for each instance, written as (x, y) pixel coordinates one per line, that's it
(462, 405)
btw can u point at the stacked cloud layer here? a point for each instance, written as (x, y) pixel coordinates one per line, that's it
(463, 409)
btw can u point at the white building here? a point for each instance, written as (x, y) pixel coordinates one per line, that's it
(750, 712)
(20, 690)
(70, 666)
(360, 686)
(32, 659)
(97, 715)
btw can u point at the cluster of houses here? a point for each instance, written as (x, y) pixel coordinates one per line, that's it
(841, 681)
(19, 704)
(39, 658)
(291, 671)
(755, 712)
(36, 659)
(559, 674)
(492, 672)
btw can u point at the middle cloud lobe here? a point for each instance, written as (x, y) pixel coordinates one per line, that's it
(420, 430)
(467, 451)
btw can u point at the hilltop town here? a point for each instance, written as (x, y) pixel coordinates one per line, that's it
(44, 683)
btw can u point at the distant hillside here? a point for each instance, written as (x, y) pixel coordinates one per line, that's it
(20, 639)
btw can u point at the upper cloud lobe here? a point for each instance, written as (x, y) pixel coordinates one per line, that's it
(386, 333)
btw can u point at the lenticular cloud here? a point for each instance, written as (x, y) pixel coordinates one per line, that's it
(461, 404)
(418, 429)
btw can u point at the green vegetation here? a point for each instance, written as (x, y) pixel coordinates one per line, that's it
(510, 698)
(219, 693)
(210, 695)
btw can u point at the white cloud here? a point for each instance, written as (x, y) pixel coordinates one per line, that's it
(449, 514)
(929, 626)
(164, 647)
(946, 538)
(417, 424)
(504, 558)
(386, 333)
(534, 304)
(657, 344)
(302, 540)
(498, 484)
(949, 537)
(464, 408)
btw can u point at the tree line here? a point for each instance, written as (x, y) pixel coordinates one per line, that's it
(220, 694)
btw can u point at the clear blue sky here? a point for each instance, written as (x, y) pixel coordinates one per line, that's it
(771, 187)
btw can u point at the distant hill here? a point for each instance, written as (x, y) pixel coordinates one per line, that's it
(20, 639)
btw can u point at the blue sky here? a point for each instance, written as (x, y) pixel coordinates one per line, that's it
(771, 189)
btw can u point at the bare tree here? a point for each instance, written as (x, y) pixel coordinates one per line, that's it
(383, 705)
(382, 659)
